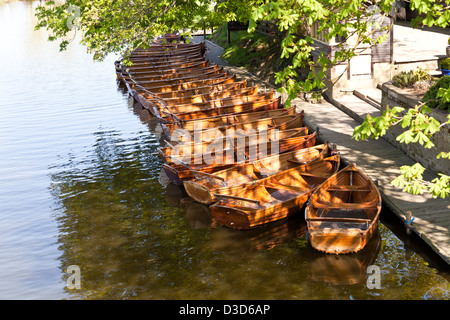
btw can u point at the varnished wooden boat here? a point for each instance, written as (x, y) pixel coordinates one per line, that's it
(220, 104)
(160, 66)
(225, 78)
(213, 89)
(166, 67)
(155, 62)
(164, 59)
(190, 74)
(168, 46)
(204, 96)
(202, 90)
(343, 212)
(179, 171)
(146, 74)
(167, 49)
(226, 120)
(215, 72)
(163, 65)
(203, 187)
(166, 52)
(149, 63)
(239, 108)
(273, 198)
(198, 68)
(187, 151)
(281, 122)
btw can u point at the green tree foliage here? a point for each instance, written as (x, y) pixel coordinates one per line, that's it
(420, 127)
(117, 25)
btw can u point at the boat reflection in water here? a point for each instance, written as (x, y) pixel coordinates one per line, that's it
(345, 269)
(261, 238)
(348, 269)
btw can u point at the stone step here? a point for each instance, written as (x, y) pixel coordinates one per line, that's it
(370, 95)
(356, 107)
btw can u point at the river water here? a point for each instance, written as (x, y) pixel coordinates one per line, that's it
(79, 186)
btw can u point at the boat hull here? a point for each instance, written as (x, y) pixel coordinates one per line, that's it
(246, 219)
(343, 213)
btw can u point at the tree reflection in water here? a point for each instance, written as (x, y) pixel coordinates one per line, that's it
(115, 223)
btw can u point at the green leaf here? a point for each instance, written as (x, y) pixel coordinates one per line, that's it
(421, 137)
(399, 182)
(406, 121)
(443, 154)
(406, 137)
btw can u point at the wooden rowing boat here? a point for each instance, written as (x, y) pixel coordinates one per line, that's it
(166, 69)
(145, 78)
(164, 65)
(273, 198)
(226, 120)
(239, 108)
(165, 53)
(179, 63)
(225, 78)
(155, 62)
(179, 171)
(164, 59)
(204, 96)
(188, 151)
(195, 68)
(168, 46)
(220, 103)
(214, 73)
(203, 187)
(142, 73)
(149, 62)
(281, 122)
(343, 212)
(201, 90)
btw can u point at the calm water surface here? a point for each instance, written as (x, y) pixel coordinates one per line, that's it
(79, 185)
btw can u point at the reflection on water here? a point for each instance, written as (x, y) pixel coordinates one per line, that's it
(80, 184)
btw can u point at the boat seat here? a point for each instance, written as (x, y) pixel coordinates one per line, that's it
(274, 184)
(296, 161)
(339, 219)
(323, 176)
(344, 205)
(238, 202)
(349, 188)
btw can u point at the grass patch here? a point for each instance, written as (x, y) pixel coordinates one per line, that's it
(257, 53)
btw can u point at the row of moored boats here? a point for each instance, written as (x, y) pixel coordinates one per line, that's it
(244, 154)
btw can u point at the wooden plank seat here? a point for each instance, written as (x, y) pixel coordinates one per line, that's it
(349, 188)
(344, 205)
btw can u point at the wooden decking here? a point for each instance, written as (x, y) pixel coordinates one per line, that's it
(381, 161)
